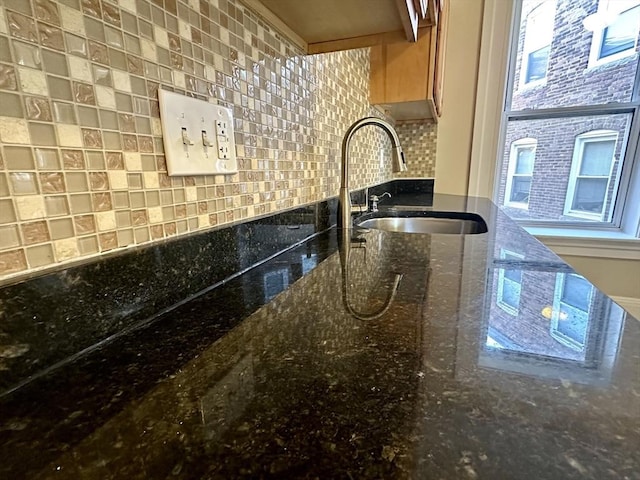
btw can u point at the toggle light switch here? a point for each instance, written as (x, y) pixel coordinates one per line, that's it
(185, 137)
(205, 140)
(181, 118)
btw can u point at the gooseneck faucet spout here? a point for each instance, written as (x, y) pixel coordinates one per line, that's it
(399, 164)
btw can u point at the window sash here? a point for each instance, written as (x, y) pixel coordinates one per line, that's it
(574, 177)
(514, 162)
(565, 315)
(626, 161)
(509, 289)
(621, 46)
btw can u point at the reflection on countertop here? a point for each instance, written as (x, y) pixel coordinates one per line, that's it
(491, 359)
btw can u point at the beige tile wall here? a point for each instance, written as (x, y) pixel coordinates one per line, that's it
(81, 159)
(418, 140)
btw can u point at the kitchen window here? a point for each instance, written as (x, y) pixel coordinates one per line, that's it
(590, 176)
(537, 42)
(520, 175)
(509, 284)
(581, 126)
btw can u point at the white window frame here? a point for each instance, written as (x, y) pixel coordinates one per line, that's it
(576, 163)
(560, 311)
(534, 41)
(496, 86)
(608, 10)
(501, 282)
(511, 170)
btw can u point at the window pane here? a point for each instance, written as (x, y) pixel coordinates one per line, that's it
(537, 64)
(621, 34)
(524, 163)
(513, 275)
(574, 325)
(567, 57)
(548, 187)
(590, 194)
(576, 292)
(596, 158)
(520, 188)
(511, 293)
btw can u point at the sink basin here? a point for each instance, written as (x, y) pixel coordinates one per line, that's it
(451, 223)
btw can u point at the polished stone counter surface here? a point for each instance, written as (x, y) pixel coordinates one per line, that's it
(383, 355)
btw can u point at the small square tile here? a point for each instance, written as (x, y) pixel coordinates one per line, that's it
(65, 249)
(23, 183)
(50, 36)
(57, 205)
(80, 203)
(38, 108)
(35, 232)
(11, 105)
(120, 200)
(7, 211)
(84, 224)
(61, 228)
(55, 63)
(40, 255)
(64, 113)
(88, 116)
(46, 159)
(9, 237)
(33, 81)
(108, 241)
(76, 182)
(27, 55)
(88, 245)
(30, 207)
(43, 134)
(12, 261)
(21, 26)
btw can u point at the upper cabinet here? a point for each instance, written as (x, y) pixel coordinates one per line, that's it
(406, 78)
(331, 25)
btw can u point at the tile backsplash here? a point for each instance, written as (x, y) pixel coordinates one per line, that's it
(82, 169)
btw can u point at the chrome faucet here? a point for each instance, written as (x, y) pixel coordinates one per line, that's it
(399, 164)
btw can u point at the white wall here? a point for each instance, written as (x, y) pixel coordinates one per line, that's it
(455, 127)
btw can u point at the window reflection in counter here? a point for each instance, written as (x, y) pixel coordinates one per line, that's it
(309, 262)
(563, 328)
(274, 282)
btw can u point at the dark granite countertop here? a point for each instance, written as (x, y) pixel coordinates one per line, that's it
(391, 356)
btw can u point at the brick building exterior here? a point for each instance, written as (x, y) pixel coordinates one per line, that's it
(567, 169)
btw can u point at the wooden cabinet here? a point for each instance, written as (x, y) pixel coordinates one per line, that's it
(319, 26)
(407, 78)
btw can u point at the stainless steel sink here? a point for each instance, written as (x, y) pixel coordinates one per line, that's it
(451, 223)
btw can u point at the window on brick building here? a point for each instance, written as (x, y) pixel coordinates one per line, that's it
(520, 174)
(509, 284)
(537, 42)
(582, 122)
(615, 28)
(591, 174)
(571, 307)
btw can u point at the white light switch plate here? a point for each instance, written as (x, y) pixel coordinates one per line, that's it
(197, 135)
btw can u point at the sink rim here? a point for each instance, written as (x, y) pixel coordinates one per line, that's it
(475, 219)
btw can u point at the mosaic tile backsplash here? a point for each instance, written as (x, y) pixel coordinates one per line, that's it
(82, 169)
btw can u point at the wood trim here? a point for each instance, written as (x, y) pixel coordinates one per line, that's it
(357, 42)
(409, 18)
(273, 20)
